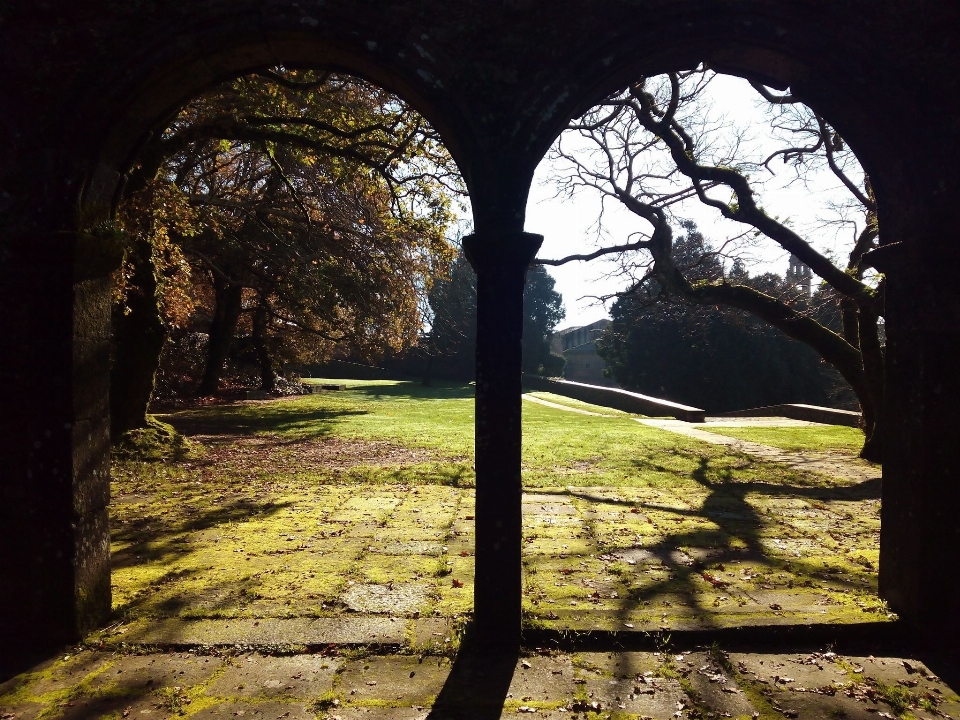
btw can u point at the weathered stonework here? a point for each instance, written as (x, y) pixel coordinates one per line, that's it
(83, 84)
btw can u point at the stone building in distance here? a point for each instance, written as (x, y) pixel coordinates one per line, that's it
(578, 346)
(799, 275)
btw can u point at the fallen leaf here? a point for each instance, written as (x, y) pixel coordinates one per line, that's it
(456, 583)
(715, 581)
(584, 706)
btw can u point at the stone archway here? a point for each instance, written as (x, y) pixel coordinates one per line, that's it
(81, 89)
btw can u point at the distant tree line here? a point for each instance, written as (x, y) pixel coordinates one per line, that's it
(716, 357)
(447, 349)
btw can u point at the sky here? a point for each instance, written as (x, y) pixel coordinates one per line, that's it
(569, 225)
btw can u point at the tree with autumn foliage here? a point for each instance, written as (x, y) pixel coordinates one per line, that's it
(314, 209)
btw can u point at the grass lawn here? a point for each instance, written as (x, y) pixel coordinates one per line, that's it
(362, 501)
(578, 404)
(825, 438)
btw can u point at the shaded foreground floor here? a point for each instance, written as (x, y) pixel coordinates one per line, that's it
(673, 683)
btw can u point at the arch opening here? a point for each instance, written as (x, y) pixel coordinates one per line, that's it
(286, 218)
(699, 551)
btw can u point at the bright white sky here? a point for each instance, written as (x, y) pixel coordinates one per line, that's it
(569, 225)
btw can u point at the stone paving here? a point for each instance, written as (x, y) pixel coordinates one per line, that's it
(395, 565)
(338, 684)
(343, 602)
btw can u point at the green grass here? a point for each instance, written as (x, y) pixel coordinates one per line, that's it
(795, 439)
(284, 505)
(578, 404)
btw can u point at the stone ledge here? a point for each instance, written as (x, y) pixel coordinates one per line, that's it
(796, 411)
(615, 398)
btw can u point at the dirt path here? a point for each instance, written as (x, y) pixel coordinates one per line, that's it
(828, 463)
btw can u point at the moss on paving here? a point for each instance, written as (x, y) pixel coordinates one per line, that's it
(823, 438)
(286, 504)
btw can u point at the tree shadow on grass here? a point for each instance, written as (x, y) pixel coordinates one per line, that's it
(297, 420)
(417, 391)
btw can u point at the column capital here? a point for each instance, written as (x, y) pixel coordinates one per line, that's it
(506, 250)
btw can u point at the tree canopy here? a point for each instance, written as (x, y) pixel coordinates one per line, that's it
(451, 341)
(713, 357)
(650, 147)
(304, 213)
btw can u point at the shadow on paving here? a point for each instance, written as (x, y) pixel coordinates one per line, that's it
(735, 518)
(477, 686)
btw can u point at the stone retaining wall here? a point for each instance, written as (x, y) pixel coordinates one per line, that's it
(615, 398)
(811, 413)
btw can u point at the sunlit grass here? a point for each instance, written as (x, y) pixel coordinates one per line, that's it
(805, 437)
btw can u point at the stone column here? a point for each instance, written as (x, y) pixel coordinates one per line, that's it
(920, 531)
(54, 535)
(501, 261)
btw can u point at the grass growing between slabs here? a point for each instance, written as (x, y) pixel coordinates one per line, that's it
(361, 501)
(817, 438)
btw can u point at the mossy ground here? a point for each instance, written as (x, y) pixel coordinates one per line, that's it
(291, 506)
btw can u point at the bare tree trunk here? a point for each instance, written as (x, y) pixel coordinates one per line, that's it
(138, 337)
(268, 376)
(873, 369)
(225, 317)
(861, 366)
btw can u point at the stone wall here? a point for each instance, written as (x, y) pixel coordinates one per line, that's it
(812, 413)
(615, 398)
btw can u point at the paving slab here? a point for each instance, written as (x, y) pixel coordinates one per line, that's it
(810, 685)
(432, 633)
(58, 674)
(393, 678)
(543, 678)
(400, 598)
(716, 688)
(269, 710)
(136, 673)
(293, 677)
(347, 629)
(378, 713)
(148, 706)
